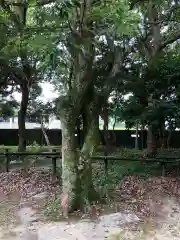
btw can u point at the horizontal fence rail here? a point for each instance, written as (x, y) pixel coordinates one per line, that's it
(157, 159)
(31, 154)
(54, 155)
(95, 157)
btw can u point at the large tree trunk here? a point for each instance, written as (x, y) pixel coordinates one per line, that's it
(91, 142)
(152, 13)
(70, 177)
(22, 118)
(78, 188)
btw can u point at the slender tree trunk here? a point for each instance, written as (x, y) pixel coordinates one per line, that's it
(169, 138)
(151, 142)
(156, 38)
(163, 136)
(142, 136)
(151, 139)
(45, 134)
(114, 124)
(105, 117)
(106, 135)
(22, 118)
(137, 136)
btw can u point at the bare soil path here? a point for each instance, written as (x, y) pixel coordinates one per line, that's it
(147, 210)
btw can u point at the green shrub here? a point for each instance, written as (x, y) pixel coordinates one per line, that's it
(117, 170)
(34, 147)
(9, 148)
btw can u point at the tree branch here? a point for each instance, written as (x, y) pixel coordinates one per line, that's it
(167, 17)
(11, 13)
(169, 41)
(134, 3)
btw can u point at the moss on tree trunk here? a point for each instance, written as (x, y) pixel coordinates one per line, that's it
(76, 165)
(85, 165)
(70, 177)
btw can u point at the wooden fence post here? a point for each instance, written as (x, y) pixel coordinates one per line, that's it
(7, 160)
(54, 158)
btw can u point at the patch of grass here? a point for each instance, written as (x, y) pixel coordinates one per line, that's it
(119, 169)
(9, 148)
(126, 152)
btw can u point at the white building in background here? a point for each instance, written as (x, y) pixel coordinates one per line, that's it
(12, 123)
(48, 94)
(53, 123)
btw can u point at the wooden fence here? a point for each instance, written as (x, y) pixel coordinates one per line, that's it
(54, 155)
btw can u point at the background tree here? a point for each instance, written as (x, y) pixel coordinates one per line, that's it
(17, 61)
(158, 29)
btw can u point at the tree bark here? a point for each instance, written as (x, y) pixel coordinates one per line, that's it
(163, 135)
(105, 117)
(91, 142)
(76, 166)
(153, 44)
(169, 138)
(106, 135)
(137, 133)
(22, 118)
(70, 179)
(78, 132)
(142, 136)
(114, 124)
(45, 134)
(151, 142)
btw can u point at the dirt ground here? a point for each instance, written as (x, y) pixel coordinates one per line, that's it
(145, 209)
